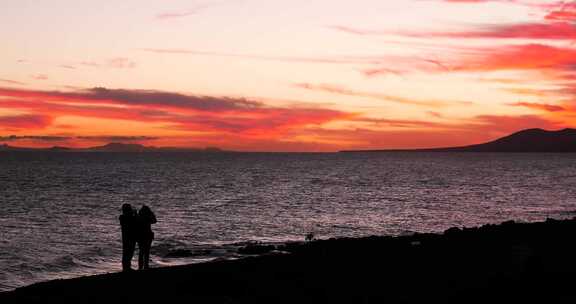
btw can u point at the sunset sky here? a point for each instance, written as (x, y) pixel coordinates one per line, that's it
(271, 75)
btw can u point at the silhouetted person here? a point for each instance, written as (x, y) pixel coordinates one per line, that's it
(128, 224)
(145, 236)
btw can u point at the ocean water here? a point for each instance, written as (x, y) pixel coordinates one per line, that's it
(59, 211)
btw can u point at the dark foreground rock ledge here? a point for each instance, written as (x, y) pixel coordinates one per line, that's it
(528, 262)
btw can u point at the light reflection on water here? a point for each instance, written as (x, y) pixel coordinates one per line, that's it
(59, 215)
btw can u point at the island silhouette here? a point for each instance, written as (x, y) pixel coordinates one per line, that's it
(529, 140)
(110, 147)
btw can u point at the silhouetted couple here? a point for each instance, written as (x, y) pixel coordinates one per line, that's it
(136, 229)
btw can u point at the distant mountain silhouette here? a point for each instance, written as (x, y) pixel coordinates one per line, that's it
(530, 140)
(119, 147)
(110, 147)
(6, 147)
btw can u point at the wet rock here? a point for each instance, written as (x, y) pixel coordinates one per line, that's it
(186, 253)
(179, 253)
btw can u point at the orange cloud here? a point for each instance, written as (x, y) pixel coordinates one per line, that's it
(235, 123)
(406, 123)
(531, 92)
(562, 16)
(177, 111)
(19, 122)
(505, 124)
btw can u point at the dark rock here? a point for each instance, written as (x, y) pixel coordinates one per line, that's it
(522, 262)
(256, 249)
(452, 231)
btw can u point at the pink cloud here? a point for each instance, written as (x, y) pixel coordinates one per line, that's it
(66, 66)
(479, 1)
(180, 14)
(296, 59)
(116, 63)
(198, 8)
(566, 11)
(39, 76)
(383, 71)
(521, 57)
(555, 31)
(341, 90)
(121, 63)
(540, 106)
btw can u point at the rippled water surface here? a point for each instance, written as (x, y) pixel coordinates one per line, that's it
(59, 212)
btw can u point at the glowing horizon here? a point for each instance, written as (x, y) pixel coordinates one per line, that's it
(255, 75)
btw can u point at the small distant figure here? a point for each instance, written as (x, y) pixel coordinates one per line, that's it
(145, 236)
(128, 225)
(309, 237)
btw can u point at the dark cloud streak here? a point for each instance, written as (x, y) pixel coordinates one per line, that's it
(43, 138)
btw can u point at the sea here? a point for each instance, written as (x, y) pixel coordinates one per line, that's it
(59, 211)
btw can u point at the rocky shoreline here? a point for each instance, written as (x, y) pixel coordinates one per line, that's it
(513, 261)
